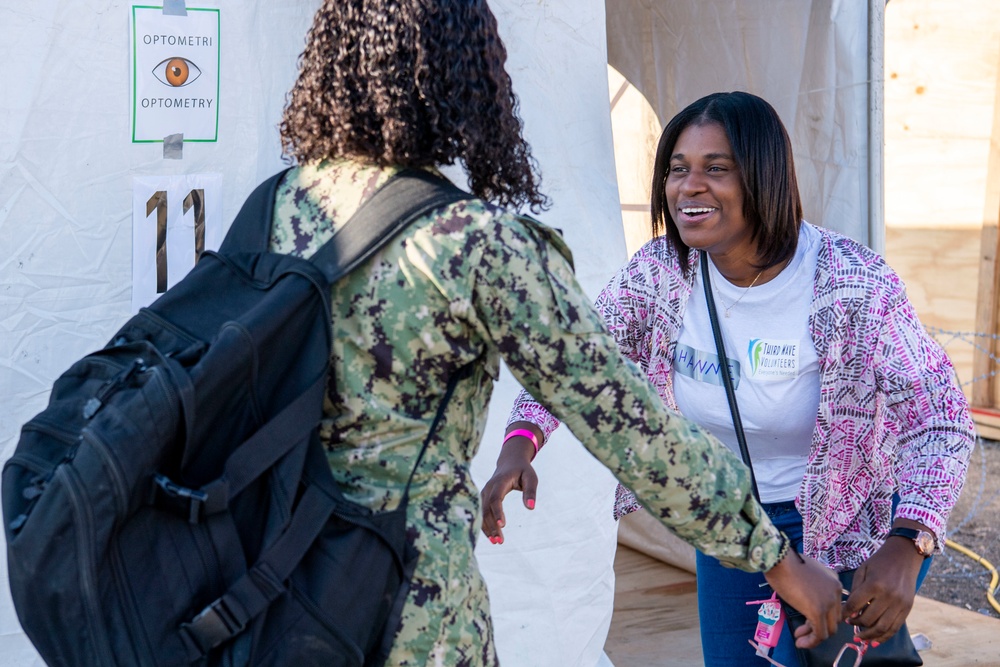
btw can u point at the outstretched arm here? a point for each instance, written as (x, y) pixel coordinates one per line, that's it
(513, 473)
(559, 349)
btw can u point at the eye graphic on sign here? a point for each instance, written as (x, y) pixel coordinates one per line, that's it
(176, 72)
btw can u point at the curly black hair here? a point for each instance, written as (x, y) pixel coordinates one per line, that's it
(412, 83)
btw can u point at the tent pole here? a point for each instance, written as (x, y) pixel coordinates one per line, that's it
(876, 124)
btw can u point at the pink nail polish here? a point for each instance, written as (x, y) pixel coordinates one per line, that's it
(530, 503)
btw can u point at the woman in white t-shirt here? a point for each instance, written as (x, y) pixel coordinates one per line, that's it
(858, 434)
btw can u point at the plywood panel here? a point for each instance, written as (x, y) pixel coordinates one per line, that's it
(984, 358)
(940, 95)
(656, 614)
(941, 270)
(942, 170)
(959, 638)
(987, 422)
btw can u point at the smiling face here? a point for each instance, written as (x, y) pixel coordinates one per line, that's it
(704, 193)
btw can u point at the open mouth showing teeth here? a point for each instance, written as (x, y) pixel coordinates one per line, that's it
(696, 211)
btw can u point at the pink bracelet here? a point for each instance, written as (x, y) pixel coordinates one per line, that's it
(525, 433)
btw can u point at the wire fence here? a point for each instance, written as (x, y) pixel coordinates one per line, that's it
(980, 342)
(977, 514)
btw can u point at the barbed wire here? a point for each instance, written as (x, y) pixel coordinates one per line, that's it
(983, 343)
(967, 336)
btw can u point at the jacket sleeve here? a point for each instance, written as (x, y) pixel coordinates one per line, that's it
(935, 431)
(559, 348)
(626, 323)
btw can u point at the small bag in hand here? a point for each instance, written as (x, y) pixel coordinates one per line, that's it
(898, 650)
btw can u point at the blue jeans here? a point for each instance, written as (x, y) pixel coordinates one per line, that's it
(727, 622)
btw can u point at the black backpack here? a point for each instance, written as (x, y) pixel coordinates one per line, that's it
(173, 504)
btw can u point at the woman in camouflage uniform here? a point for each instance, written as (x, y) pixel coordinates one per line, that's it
(417, 83)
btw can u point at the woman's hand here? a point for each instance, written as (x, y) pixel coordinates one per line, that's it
(814, 590)
(513, 472)
(884, 587)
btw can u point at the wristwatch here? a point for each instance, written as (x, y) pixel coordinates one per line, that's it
(922, 540)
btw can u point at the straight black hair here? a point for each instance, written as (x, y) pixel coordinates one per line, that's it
(763, 152)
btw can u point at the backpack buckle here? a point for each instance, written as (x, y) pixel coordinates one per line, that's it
(213, 625)
(168, 494)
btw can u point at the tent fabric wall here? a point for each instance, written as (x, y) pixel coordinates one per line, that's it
(810, 60)
(66, 169)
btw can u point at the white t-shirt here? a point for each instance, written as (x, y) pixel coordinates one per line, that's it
(774, 367)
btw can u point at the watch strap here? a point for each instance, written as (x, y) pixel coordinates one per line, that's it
(909, 533)
(914, 535)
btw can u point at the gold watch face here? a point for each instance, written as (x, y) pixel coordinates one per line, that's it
(924, 543)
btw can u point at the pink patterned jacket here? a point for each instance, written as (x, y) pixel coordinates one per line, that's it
(890, 408)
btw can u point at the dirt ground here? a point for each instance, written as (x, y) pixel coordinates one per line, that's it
(955, 578)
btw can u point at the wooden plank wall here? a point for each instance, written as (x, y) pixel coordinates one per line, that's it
(942, 168)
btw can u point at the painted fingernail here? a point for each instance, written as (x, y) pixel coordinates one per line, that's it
(530, 503)
(875, 644)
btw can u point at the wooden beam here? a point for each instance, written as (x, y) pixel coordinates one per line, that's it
(984, 365)
(983, 359)
(987, 422)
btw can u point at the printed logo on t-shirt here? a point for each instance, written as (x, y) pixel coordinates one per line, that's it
(703, 366)
(773, 359)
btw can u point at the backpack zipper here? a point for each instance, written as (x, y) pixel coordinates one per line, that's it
(121, 491)
(84, 539)
(45, 471)
(110, 387)
(56, 431)
(105, 452)
(140, 641)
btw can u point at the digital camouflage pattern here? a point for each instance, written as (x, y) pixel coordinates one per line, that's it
(469, 284)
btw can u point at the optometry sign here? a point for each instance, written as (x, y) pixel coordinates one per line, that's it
(175, 74)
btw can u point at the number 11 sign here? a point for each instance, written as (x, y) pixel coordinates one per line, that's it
(174, 220)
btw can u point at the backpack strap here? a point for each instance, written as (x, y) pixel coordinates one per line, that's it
(408, 195)
(463, 372)
(251, 230)
(404, 198)
(253, 593)
(250, 460)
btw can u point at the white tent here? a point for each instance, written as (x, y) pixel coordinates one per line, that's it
(70, 172)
